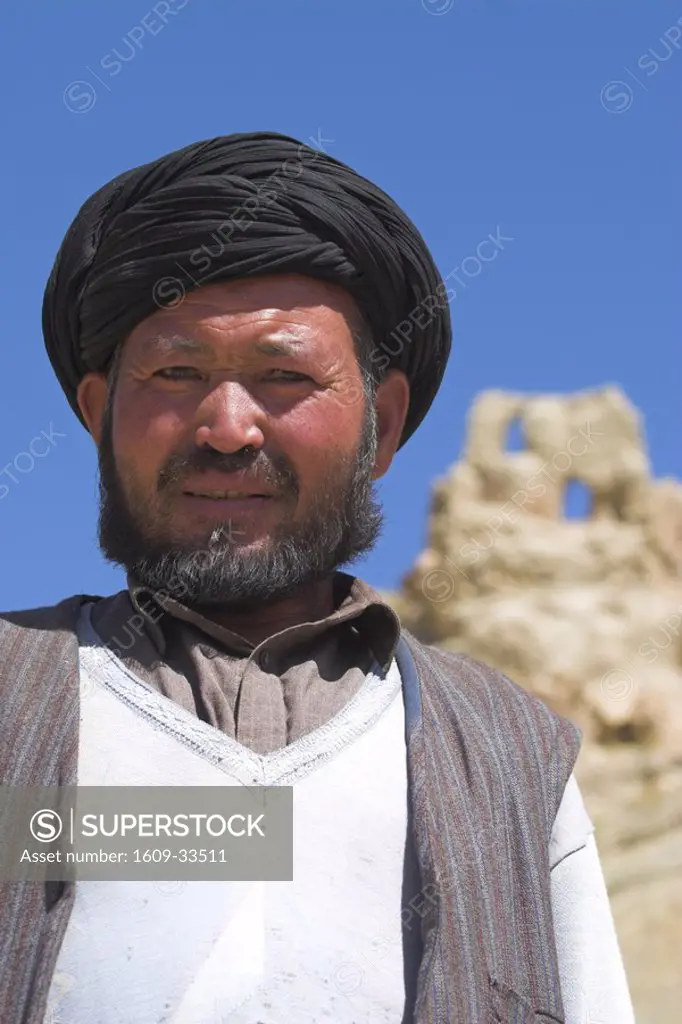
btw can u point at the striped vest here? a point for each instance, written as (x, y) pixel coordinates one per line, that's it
(487, 767)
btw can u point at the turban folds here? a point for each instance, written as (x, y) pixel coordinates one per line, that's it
(236, 206)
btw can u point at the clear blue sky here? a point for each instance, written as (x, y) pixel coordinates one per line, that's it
(494, 113)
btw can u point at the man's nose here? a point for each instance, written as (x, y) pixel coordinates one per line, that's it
(229, 418)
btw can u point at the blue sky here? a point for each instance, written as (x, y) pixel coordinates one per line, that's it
(553, 122)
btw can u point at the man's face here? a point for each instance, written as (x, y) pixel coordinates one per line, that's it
(204, 406)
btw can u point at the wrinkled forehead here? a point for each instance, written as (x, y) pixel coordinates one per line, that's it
(275, 303)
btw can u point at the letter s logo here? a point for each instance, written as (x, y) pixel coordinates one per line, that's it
(45, 826)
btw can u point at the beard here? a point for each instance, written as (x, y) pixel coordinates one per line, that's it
(343, 522)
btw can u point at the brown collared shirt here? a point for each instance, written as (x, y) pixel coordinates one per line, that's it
(264, 695)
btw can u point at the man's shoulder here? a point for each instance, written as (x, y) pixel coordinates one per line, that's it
(483, 687)
(39, 693)
(470, 672)
(48, 618)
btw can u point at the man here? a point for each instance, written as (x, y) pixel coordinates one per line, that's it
(224, 323)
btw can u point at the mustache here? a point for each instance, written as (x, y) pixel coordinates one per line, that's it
(252, 464)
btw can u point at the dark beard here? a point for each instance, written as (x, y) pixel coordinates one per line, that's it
(344, 523)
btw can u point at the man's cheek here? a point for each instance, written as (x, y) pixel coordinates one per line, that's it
(147, 440)
(139, 463)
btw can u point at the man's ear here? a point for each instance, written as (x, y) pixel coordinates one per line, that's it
(92, 400)
(392, 405)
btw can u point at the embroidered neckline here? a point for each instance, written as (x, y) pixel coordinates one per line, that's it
(281, 767)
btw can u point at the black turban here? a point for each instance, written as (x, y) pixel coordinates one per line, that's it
(236, 206)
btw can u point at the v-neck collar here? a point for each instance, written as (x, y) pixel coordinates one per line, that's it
(279, 767)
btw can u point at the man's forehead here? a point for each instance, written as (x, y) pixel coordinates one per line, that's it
(274, 343)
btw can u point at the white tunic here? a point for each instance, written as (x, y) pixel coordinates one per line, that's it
(326, 946)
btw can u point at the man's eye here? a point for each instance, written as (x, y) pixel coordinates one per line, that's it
(289, 374)
(177, 373)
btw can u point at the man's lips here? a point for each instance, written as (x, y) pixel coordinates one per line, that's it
(224, 488)
(226, 495)
(221, 504)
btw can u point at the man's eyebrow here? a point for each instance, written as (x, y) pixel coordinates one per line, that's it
(165, 345)
(162, 344)
(283, 347)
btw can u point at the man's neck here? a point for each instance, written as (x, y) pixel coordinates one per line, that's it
(313, 602)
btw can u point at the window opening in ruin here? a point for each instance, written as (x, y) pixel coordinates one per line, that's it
(515, 440)
(578, 500)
